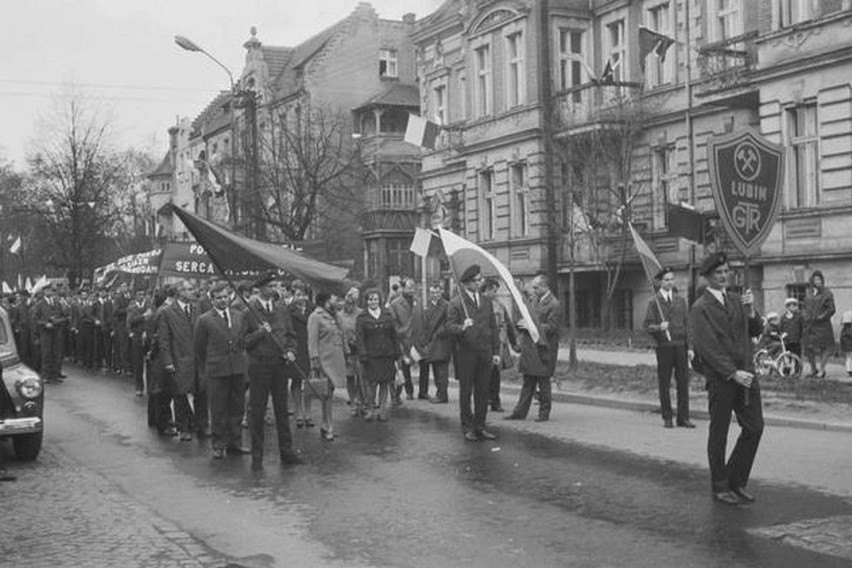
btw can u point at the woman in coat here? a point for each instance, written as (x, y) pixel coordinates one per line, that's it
(327, 351)
(300, 311)
(348, 315)
(378, 351)
(818, 337)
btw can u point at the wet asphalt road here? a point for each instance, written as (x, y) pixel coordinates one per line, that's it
(413, 493)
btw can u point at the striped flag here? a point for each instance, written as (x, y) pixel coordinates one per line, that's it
(646, 255)
(421, 132)
(214, 179)
(16, 246)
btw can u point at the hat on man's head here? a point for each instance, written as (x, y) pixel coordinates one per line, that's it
(265, 279)
(662, 272)
(470, 273)
(712, 262)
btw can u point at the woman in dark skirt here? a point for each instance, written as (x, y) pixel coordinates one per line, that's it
(378, 350)
(818, 336)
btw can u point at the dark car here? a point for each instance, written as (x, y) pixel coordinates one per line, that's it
(21, 398)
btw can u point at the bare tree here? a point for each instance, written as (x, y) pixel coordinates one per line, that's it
(604, 173)
(76, 180)
(310, 173)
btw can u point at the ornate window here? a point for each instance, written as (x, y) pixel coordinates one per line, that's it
(520, 196)
(483, 90)
(659, 19)
(572, 65)
(661, 175)
(515, 73)
(488, 218)
(792, 12)
(725, 19)
(802, 157)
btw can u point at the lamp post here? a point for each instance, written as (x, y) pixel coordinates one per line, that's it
(189, 45)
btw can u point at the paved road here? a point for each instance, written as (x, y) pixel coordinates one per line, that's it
(594, 487)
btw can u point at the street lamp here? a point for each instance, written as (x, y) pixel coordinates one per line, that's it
(185, 43)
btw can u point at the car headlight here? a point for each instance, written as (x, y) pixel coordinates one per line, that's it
(29, 388)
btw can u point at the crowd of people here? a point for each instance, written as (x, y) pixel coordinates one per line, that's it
(210, 357)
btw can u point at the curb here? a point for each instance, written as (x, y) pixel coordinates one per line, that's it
(652, 407)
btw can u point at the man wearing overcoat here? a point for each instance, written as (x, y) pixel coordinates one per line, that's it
(434, 344)
(471, 321)
(48, 317)
(667, 320)
(722, 324)
(405, 311)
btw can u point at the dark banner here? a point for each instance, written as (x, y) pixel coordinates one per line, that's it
(188, 260)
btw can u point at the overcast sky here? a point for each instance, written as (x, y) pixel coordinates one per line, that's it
(122, 52)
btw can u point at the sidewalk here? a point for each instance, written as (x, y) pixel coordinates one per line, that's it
(795, 414)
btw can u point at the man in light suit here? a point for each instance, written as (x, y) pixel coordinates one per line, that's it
(667, 320)
(403, 310)
(471, 321)
(720, 321)
(220, 355)
(176, 324)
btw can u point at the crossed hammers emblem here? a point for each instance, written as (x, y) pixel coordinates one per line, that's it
(747, 159)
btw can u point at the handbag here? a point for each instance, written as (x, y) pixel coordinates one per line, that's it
(318, 386)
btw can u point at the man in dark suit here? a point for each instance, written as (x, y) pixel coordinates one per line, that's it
(470, 319)
(176, 324)
(667, 320)
(135, 325)
(221, 362)
(48, 317)
(271, 347)
(434, 344)
(538, 360)
(722, 323)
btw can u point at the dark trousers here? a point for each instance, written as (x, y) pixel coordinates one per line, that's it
(226, 396)
(724, 397)
(137, 360)
(531, 382)
(494, 388)
(441, 372)
(85, 341)
(473, 372)
(51, 353)
(201, 415)
(159, 410)
(673, 358)
(183, 413)
(267, 379)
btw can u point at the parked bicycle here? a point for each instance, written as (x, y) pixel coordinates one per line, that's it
(776, 359)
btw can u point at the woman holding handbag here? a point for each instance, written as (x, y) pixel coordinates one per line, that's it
(327, 351)
(378, 350)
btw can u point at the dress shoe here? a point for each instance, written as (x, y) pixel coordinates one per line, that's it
(727, 498)
(422, 397)
(168, 431)
(497, 408)
(63, 376)
(685, 424)
(326, 435)
(309, 423)
(238, 450)
(368, 416)
(440, 401)
(218, 453)
(186, 436)
(668, 424)
(471, 437)
(542, 419)
(486, 435)
(741, 493)
(300, 423)
(290, 458)
(513, 417)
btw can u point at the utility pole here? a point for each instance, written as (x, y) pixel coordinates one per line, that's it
(546, 96)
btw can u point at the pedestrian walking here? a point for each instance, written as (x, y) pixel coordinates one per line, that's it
(846, 340)
(300, 310)
(271, 348)
(378, 350)
(722, 324)
(667, 321)
(348, 315)
(404, 309)
(818, 332)
(538, 360)
(792, 326)
(327, 350)
(177, 349)
(470, 319)
(433, 342)
(219, 352)
(508, 342)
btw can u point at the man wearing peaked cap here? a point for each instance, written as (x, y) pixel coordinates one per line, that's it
(667, 321)
(721, 325)
(470, 273)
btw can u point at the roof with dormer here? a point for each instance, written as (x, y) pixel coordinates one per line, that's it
(395, 95)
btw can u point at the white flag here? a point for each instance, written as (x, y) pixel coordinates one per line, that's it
(6, 288)
(420, 242)
(16, 246)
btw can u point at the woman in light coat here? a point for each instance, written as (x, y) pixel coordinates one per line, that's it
(327, 350)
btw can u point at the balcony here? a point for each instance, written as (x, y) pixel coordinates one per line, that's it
(391, 207)
(725, 71)
(592, 103)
